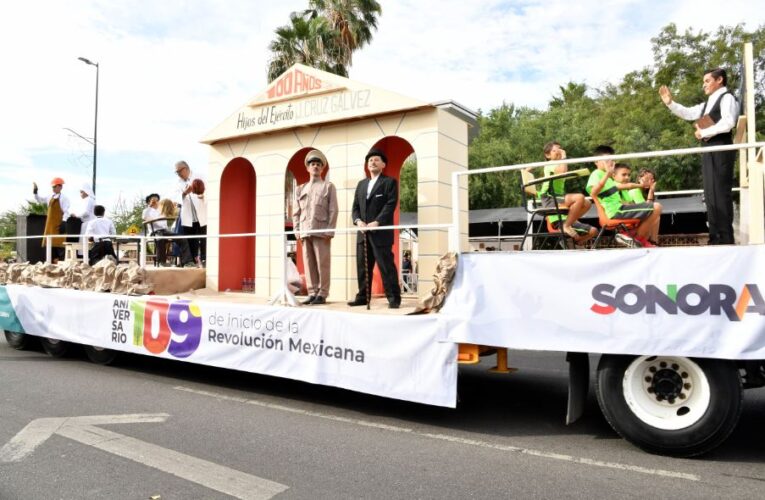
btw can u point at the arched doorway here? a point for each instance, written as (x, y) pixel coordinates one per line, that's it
(237, 215)
(296, 175)
(397, 150)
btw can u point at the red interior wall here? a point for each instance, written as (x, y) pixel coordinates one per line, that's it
(237, 215)
(397, 150)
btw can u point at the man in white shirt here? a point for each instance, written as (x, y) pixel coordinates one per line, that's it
(96, 229)
(721, 108)
(193, 210)
(81, 212)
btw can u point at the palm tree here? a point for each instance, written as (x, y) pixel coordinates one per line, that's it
(353, 21)
(308, 39)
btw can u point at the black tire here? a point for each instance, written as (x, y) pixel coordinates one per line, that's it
(54, 348)
(99, 355)
(17, 340)
(712, 413)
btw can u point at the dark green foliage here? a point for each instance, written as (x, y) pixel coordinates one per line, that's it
(408, 190)
(126, 216)
(324, 36)
(627, 115)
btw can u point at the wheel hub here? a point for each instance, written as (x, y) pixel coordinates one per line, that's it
(668, 383)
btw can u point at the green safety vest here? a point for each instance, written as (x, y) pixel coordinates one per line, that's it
(609, 196)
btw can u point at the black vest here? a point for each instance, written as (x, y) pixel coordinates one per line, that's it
(715, 114)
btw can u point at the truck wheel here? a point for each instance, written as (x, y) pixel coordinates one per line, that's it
(99, 355)
(55, 348)
(670, 405)
(17, 340)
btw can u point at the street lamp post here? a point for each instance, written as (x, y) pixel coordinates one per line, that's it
(95, 125)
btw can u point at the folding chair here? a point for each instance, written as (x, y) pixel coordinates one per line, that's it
(530, 203)
(613, 225)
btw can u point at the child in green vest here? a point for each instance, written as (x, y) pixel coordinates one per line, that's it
(576, 203)
(602, 184)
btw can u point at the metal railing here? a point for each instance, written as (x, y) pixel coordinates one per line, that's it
(454, 227)
(456, 231)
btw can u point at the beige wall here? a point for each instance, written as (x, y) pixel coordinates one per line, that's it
(439, 141)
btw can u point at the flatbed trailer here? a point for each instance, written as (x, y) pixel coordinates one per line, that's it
(680, 331)
(675, 355)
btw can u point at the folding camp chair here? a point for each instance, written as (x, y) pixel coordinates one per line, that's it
(613, 225)
(531, 204)
(150, 230)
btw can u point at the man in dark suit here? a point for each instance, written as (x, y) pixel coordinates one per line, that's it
(373, 205)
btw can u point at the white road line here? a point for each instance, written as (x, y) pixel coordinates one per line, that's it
(30, 437)
(365, 423)
(229, 481)
(82, 429)
(452, 439)
(38, 431)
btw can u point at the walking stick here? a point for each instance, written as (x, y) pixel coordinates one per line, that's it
(368, 291)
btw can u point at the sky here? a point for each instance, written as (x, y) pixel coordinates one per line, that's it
(171, 71)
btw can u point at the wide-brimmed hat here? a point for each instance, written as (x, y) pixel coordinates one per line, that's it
(315, 154)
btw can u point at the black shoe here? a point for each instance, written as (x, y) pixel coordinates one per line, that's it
(318, 301)
(309, 300)
(394, 305)
(358, 301)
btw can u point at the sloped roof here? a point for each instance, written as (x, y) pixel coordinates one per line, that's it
(304, 96)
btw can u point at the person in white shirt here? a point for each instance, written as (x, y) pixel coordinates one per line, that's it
(193, 210)
(720, 109)
(157, 226)
(97, 228)
(58, 212)
(82, 210)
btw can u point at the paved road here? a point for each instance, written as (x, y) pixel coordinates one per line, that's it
(506, 439)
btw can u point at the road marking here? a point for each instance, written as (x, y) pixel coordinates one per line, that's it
(326, 416)
(82, 429)
(448, 438)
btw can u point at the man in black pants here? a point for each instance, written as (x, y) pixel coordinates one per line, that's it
(373, 205)
(714, 121)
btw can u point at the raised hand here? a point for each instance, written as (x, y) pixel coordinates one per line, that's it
(665, 94)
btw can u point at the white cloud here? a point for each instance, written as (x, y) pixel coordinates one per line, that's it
(170, 71)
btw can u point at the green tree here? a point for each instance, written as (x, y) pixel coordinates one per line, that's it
(126, 215)
(508, 136)
(352, 20)
(7, 230)
(408, 179)
(627, 115)
(308, 39)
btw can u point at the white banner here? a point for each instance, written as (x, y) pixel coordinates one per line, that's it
(402, 357)
(694, 301)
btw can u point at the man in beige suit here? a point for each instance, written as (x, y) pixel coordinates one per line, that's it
(315, 207)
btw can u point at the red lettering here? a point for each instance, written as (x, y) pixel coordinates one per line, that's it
(156, 312)
(295, 82)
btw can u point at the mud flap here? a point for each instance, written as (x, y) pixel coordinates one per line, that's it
(578, 384)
